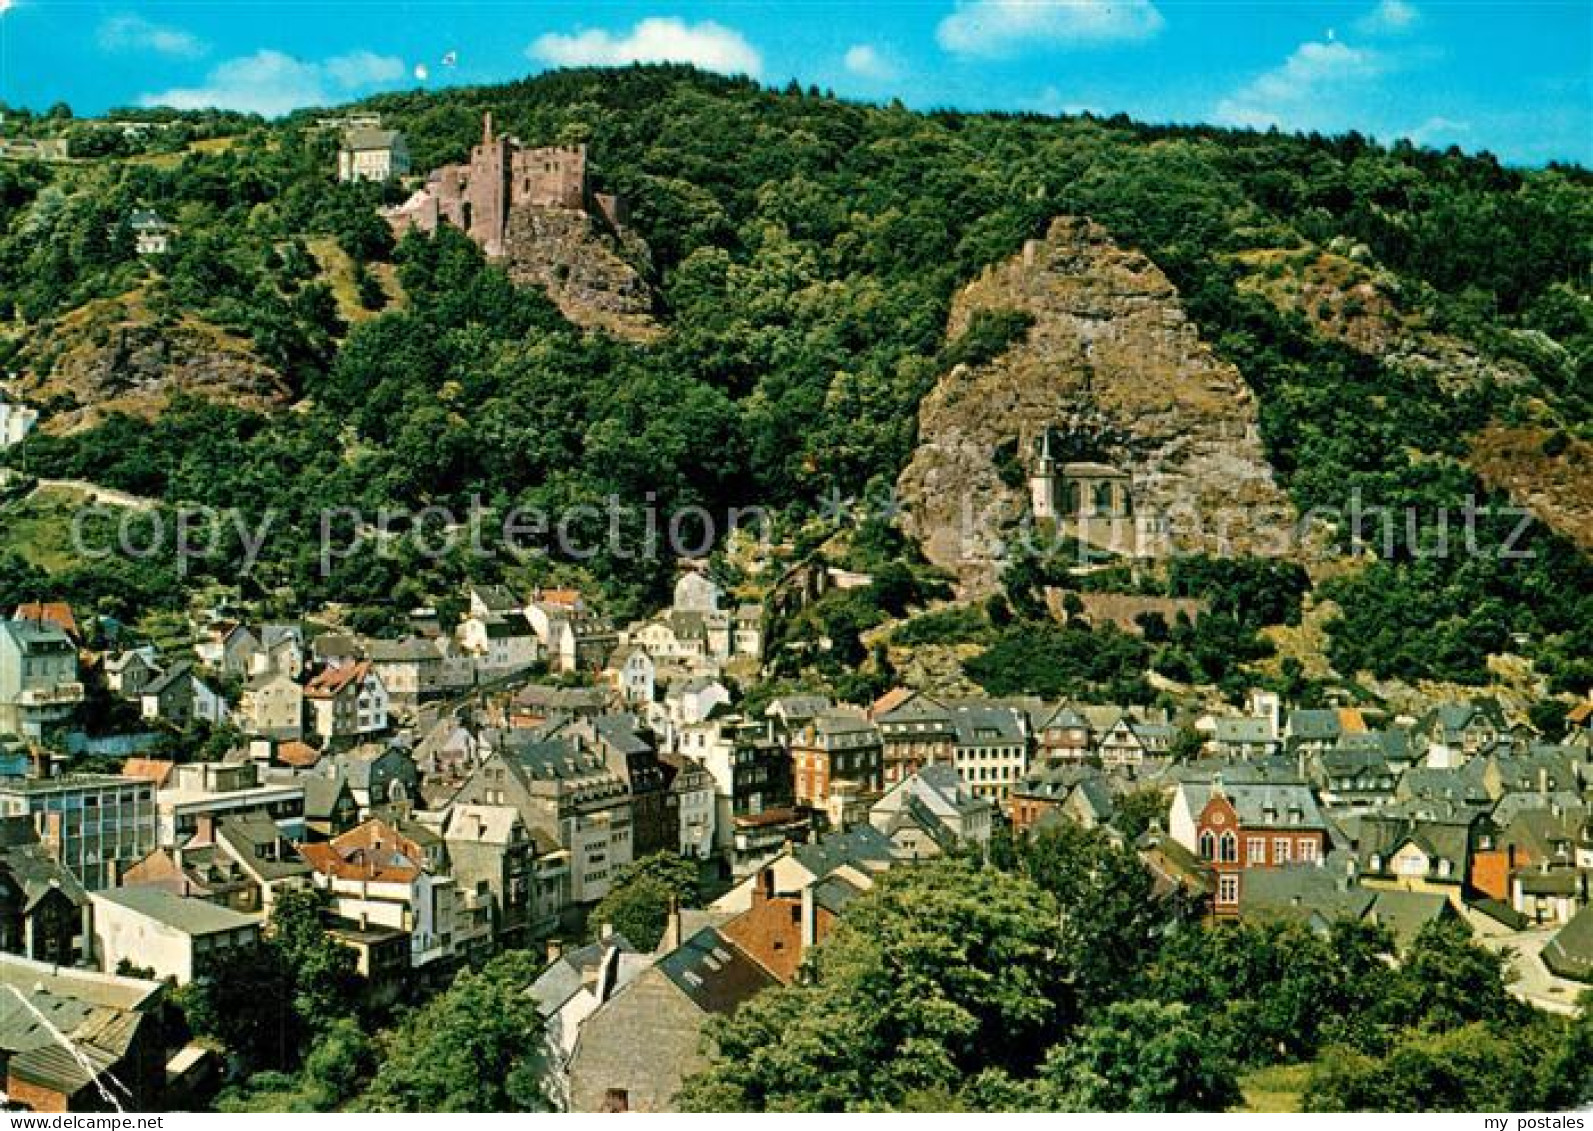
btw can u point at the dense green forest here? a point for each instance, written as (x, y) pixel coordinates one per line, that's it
(805, 252)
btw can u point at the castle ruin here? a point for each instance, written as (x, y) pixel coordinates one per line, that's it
(502, 175)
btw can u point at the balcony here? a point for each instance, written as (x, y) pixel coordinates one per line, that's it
(60, 695)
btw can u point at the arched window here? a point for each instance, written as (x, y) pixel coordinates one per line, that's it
(1103, 498)
(1208, 845)
(1073, 505)
(1230, 848)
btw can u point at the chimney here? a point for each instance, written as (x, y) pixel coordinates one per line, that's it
(49, 829)
(605, 931)
(763, 890)
(206, 832)
(555, 951)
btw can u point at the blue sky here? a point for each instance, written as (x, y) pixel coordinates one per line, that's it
(1515, 78)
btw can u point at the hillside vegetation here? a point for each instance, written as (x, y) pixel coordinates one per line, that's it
(806, 252)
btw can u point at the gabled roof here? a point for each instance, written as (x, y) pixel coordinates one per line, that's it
(496, 598)
(359, 138)
(481, 824)
(254, 840)
(1314, 724)
(714, 972)
(37, 637)
(57, 613)
(332, 682)
(1243, 730)
(984, 725)
(410, 650)
(573, 969)
(321, 793)
(31, 867)
(799, 707)
(156, 771)
(1269, 805)
(864, 847)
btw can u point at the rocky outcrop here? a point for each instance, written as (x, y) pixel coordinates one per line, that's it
(594, 275)
(1549, 473)
(1345, 296)
(115, 356)
(1114, 366)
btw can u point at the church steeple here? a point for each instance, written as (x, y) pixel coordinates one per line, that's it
(1042, 479)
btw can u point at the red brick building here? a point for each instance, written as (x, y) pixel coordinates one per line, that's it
(1239, 827)
(837, 746)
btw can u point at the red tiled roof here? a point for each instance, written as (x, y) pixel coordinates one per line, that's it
(329, 683)
(1350, 719)
(299, 755)
(888, 702)
(359, 864)
(153, 770)
(58, 613)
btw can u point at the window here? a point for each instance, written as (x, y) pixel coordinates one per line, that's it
(1230, 848)
(1308, 851)
(1256, 850)
(1280, 850)
(1228, 888)
(1208, 845)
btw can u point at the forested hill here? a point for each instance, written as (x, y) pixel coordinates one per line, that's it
(1405, 317)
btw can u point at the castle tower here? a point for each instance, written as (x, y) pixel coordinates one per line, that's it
(1042, 479)
(488, 190)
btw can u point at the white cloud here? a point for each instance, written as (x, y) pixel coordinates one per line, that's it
(868, 62)
(1390, 17)
(1441, 131)
(711, 46)
(363, 68)
(991, 28)
(134, 33)
(1053, 101)
(6, 6)
(273, 83)
(1309, 91)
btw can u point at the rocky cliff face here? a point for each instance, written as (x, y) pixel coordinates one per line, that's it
(1114, 366)
(1345, 296)
(115, 356)
(590, 272)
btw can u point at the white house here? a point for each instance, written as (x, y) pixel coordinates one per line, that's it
(170, 934)
(372, 154)
(691, 701)
(16, 421)
(635, 675)
(500, 641)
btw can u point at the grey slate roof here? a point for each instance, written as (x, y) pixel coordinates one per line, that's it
(190, 916)
(1570, 952)
(713, 972)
